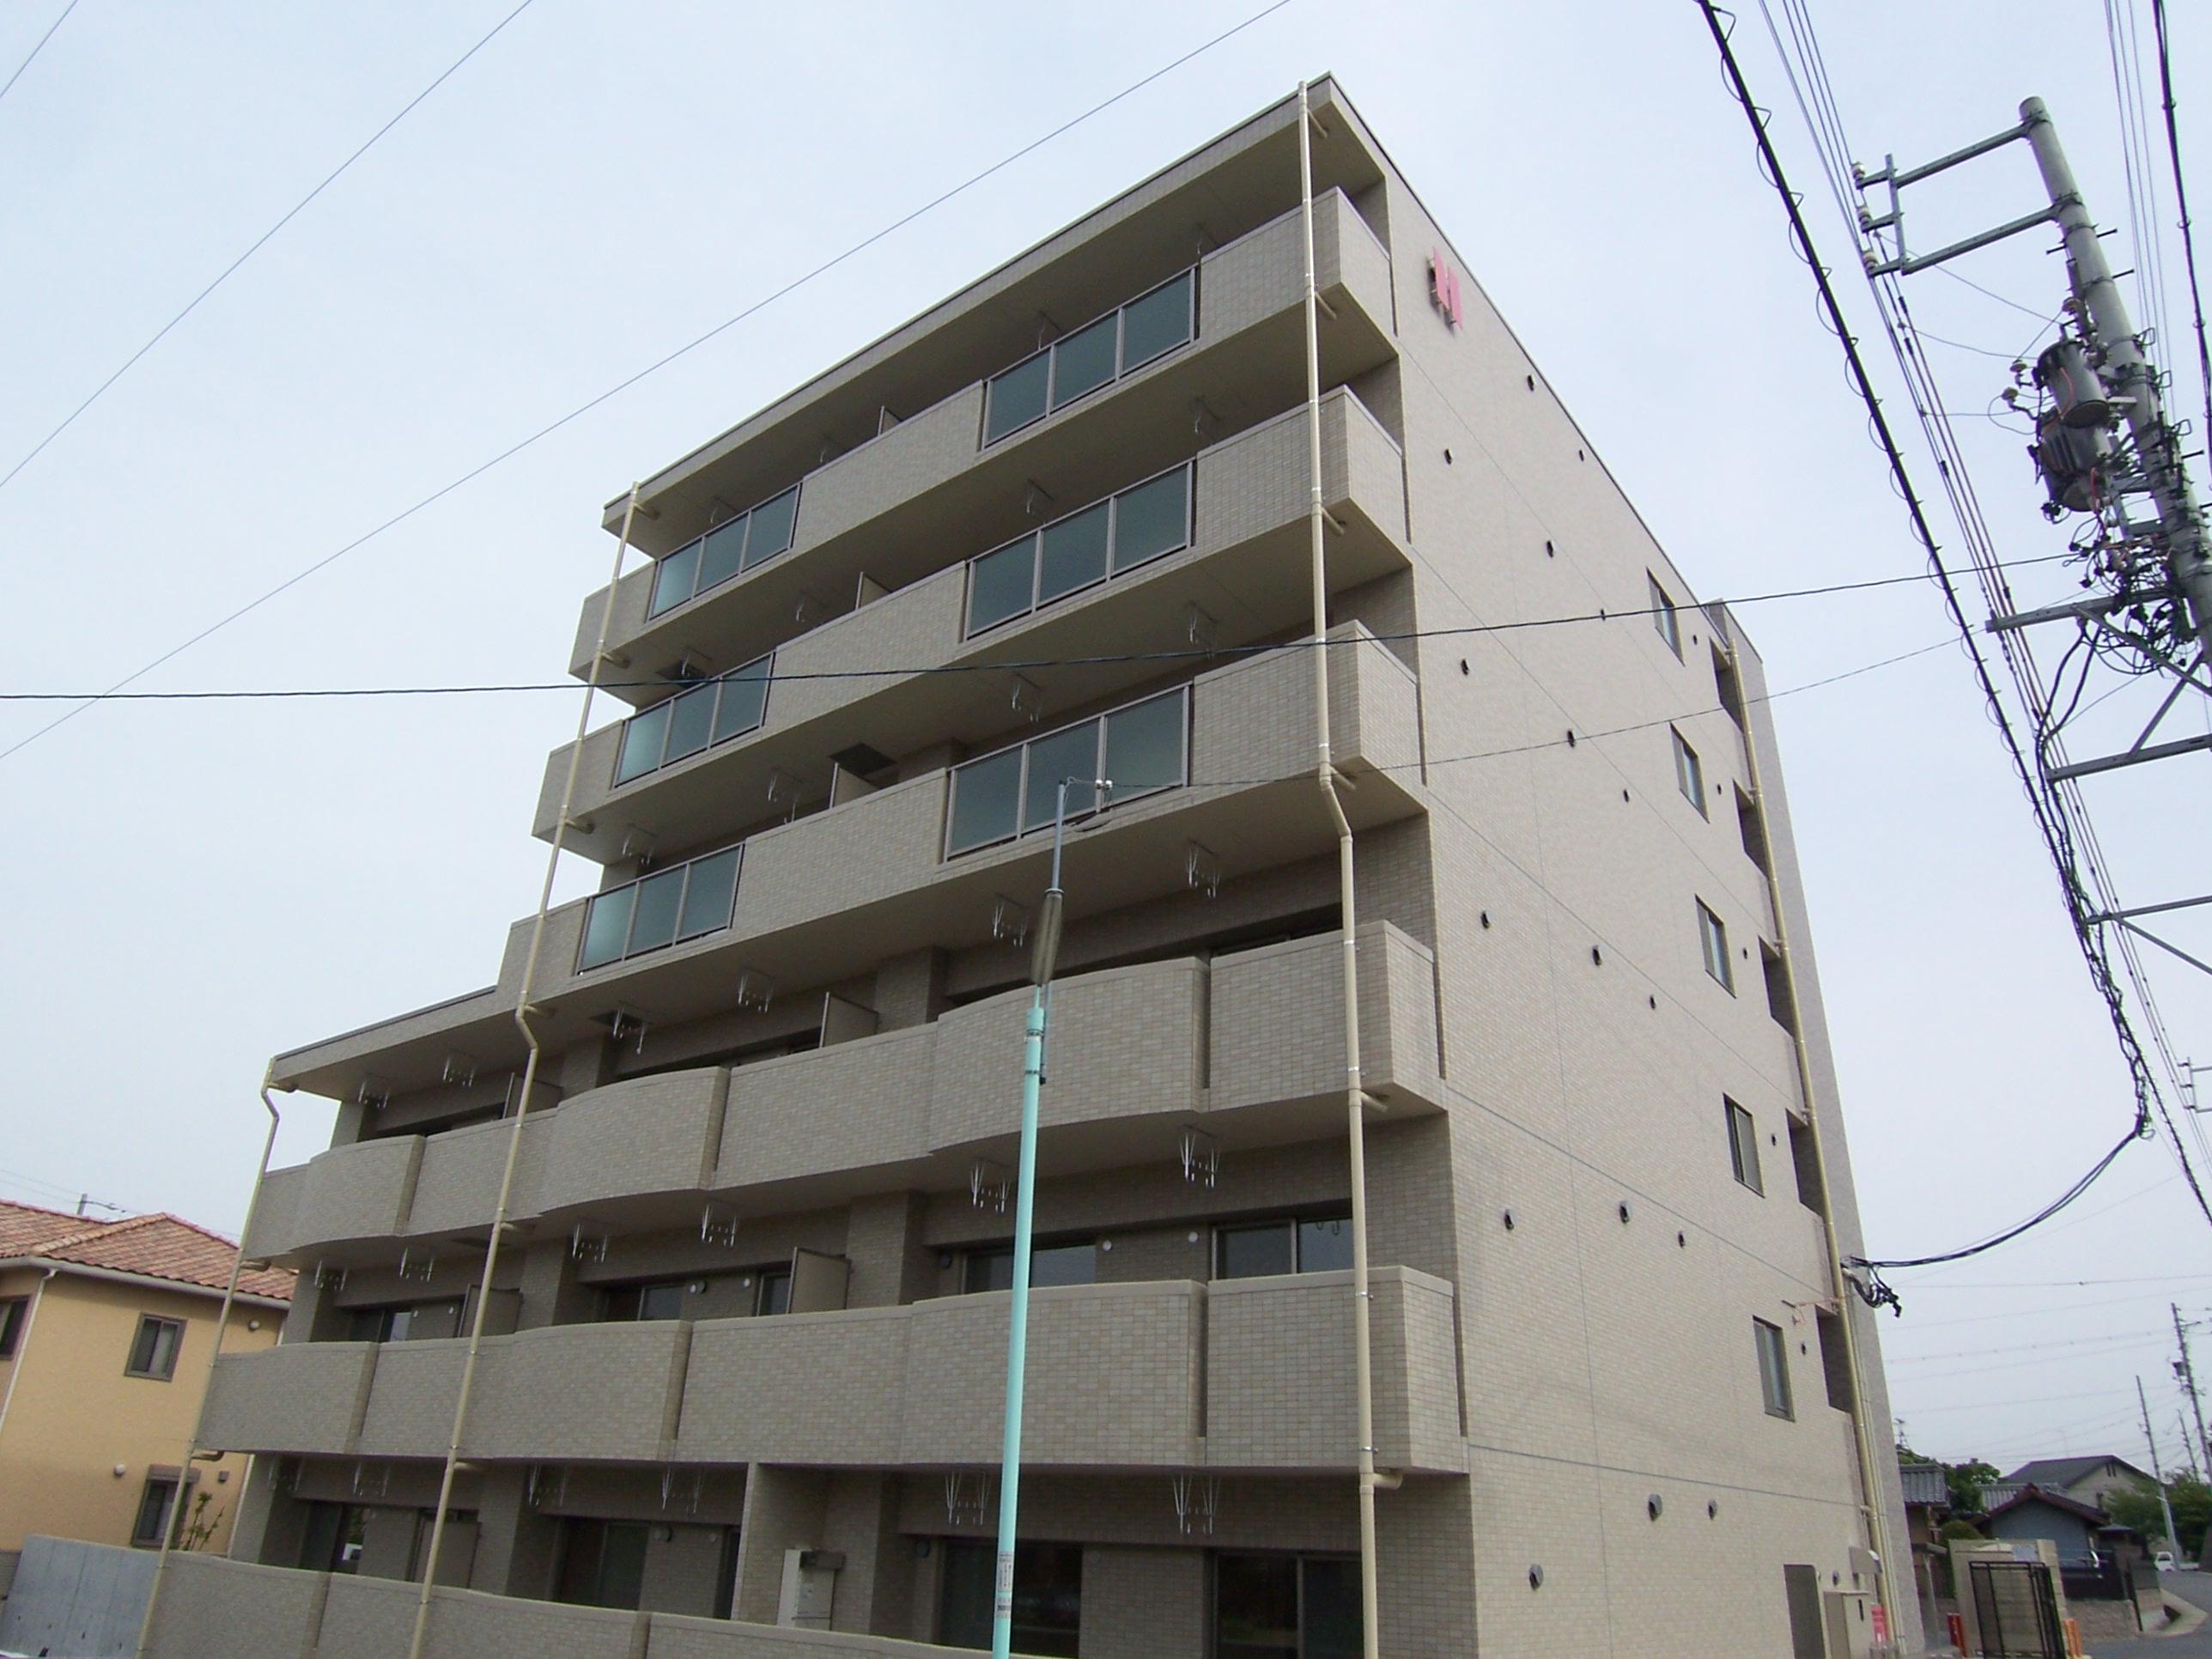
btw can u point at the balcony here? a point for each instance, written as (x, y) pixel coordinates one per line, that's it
(1134, 568)
(1249, 1374)
(1250, 1045)
(297, 1397)
(892, 509)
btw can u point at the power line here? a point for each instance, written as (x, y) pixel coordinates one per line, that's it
(258, 242)
(2181, 200)
(583, 408)
(996, 666)
(39, 48)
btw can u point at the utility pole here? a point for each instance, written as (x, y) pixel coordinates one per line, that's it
(2181, 1427)
(2187, 1373)
(2165, 1509)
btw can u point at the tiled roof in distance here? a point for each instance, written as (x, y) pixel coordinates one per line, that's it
(157, 1246)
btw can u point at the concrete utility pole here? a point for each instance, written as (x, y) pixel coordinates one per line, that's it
(2187, 1373)
(2128, 377)
(2164, 1508)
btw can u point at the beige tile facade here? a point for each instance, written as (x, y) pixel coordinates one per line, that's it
(1567, 1271)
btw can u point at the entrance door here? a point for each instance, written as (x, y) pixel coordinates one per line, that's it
(1801, 1585)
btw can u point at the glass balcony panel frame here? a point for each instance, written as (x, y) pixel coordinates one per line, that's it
(1035, 780)
(993, 579)
(738, 543)
(684, 902)
(1089, 358)
(695, 719)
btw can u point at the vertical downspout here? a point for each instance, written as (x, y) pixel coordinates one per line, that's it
(523, 1010)
(1324, 774)
(207, 1386)
(23, 1345)
(1875, 1510)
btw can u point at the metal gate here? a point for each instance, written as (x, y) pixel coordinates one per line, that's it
(2015, 1610)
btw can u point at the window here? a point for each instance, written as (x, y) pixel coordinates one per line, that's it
(1048, 1595)
(1773, 1368)
(13, 1311)
(663, 1301)
(711, 711)
(602, 1563)
(1713, 939)
(154, 1505)
(331, 1540)
(1286, 1607)
(1081, 551)
(1689, 776)
(1142, 749)
(1051, 1264)
(665, 908)
(1743, 1146)
(154, 1350)
(1302, 1245)
(1095, 354)
(1664, 616)
(775, 1291)
(733, 545)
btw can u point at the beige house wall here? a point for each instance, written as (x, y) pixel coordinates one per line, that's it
(75, 1418)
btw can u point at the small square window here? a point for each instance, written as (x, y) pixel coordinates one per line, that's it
(1663, 617)
(1689, 776)
(1773, 1368)
(1743, 1146)
(154, 1350)
(1713, 939)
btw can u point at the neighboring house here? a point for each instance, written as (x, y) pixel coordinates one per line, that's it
(2073, 1527)
(2084, 1479)
(1927, 1504)
(104, 1330)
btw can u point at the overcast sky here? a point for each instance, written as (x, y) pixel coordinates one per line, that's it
(193, 887)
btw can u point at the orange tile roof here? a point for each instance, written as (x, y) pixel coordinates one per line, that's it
(159, 1246)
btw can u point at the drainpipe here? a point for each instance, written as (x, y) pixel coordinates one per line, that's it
(23, 1344)
(1326, 775)
(207, 1385)
(523, 1013)
(1872, 1508)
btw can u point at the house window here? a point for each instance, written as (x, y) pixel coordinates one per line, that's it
(1773, 1368)
(154, 1505)
(1689, 776)
(775, 1291)
(1094, 355)
(1048, 1595)
(602, 1562)
(154, 1350)
(663, 1301)
(13, 1312)
(1713, 939)
(1051, 1264)
(1286, 1607)
(419, 1322)
(735, 544)
(1306, 1244)
(1663, 617)
(1743, 1146)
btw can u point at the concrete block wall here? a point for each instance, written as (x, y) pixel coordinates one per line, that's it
(292, 1397)
(210, 1606)
(648, 1134)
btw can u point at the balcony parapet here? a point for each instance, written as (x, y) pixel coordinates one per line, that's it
(1253, 1374)
(923, 484)
(1250, 1045)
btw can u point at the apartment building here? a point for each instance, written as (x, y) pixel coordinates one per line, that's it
(105, 1331)
(741, 1387)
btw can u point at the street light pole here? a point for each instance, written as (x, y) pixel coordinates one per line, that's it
(1044, 954)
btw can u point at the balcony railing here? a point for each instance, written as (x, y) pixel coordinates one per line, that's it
(681, 903)
(1098, 354)
(726, 707)
(1076, 553)
(752, 538)
(1142, 749)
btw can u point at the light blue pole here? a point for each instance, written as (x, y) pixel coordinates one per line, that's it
(1018, 1335)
